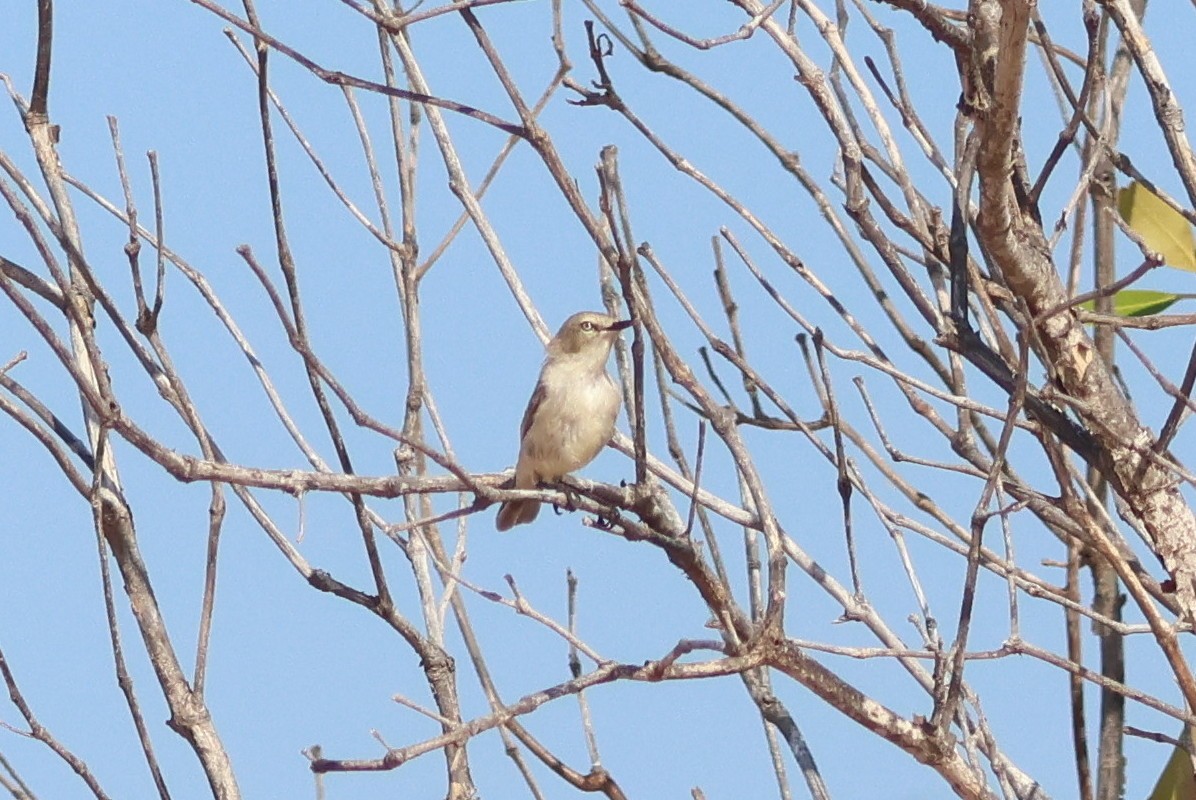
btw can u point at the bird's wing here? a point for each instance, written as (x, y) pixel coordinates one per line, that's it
(533, 405)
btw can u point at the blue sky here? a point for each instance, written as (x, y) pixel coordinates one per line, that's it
(291, 667)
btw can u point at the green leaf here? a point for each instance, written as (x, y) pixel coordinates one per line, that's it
(1164, 229)
(1177, 781)
(1138, 302)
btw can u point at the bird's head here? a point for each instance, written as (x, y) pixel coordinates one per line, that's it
(587, 331)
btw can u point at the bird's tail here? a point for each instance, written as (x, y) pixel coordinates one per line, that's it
(516, 512)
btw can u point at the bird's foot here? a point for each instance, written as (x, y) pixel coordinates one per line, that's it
(570, 503)
(570, 500)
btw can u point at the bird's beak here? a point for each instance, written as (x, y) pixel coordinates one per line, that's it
(620, 325)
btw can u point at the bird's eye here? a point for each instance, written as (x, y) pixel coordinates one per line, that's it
(587, 326)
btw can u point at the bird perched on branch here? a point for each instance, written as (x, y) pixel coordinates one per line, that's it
(571, 415)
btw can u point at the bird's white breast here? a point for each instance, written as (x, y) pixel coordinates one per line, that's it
(574, 421)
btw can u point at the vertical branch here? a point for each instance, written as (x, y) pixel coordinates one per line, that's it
(39, 99)
(190, 718)
(731, 310)
(1107, 598)
(1167, 111)
(148, 320)
(164, 372)
(945, 712)
(587, 723)
(1075, 684)
(614, 205)
(123, 679)
(842, 479)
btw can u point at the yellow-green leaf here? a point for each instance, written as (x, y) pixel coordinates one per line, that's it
(1177, 781)
(1164, 229)
(1138, 302)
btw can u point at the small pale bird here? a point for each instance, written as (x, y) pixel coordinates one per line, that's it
(571, 415)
